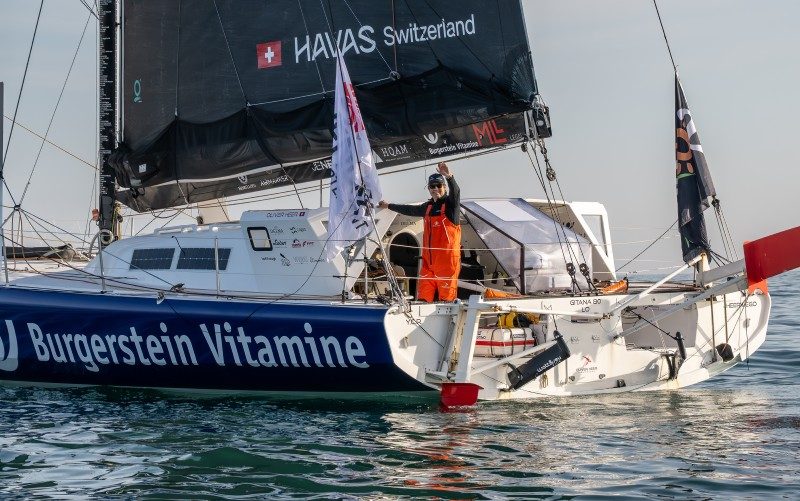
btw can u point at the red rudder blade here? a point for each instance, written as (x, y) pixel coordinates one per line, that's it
(770, 256)
(459, 394)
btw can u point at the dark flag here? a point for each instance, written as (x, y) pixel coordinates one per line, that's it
(693, 180)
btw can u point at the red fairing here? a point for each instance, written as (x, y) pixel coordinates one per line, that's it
(772, 255)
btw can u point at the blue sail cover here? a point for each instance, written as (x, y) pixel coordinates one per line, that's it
(225, 97)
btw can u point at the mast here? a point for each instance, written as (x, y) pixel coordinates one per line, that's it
(107, 11)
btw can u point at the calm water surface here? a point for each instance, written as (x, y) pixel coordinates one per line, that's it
(734, 437)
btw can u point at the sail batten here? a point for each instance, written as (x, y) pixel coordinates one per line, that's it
(215, 92)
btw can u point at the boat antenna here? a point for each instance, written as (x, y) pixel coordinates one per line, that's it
(666, 40)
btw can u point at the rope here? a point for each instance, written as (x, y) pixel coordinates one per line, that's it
(552, 206)
(73, 155)
(308, 34)
(648, 247)
(55, 109)
(666, 41)
(19, 98)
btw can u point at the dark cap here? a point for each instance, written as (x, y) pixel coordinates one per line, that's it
(436, 178)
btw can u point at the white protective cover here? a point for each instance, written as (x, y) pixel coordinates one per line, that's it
(512, 227)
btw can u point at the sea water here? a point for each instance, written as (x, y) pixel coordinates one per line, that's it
(736, 436)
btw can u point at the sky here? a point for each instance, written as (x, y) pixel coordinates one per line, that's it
(602, 68)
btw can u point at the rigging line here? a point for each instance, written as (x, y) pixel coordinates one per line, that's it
(551, 204)
(178, 213)
(40, 235)
(722, 235)
(720, 257)
(724, 228)
(55, 110)
(648, 247)
(308, 34)
(90, 9)
(394, 30)
(730, 236)
(654, 325)
(391, 278)
(346, 4)
(325, 15)
(469, 49)
(92, 199)
(151, 221)
(73, 155)
(29, 214)
(550, 196)
(664, 32)
(177, 61)
(92, 275)
(322, 93)
(561, 194)
(230, 54)
(294, 185)
(19, 98)
(561, 229)
(553, 211)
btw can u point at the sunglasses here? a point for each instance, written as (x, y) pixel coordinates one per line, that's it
(435, 185)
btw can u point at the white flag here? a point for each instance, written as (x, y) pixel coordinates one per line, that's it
(354, 180)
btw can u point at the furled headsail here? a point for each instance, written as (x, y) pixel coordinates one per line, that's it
(224, 97)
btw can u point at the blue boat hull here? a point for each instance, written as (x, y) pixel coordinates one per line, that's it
(194, 344)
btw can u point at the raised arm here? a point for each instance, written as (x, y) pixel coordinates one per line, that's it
(453, 206)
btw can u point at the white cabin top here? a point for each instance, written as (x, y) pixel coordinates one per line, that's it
(281, 252)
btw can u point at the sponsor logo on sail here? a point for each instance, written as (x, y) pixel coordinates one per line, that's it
(281, 179)
(269, 54)
(396, 150)
(489, 131)
(137, 91)
(432, 138)
(321, 165)
(362, 40)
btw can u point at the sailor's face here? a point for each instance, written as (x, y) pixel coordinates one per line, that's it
(437, 190)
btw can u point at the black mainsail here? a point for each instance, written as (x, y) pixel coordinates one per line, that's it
(224, 97)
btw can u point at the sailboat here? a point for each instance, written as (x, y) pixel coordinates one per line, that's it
(207, 100)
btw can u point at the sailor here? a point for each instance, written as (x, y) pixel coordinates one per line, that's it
(441, 247)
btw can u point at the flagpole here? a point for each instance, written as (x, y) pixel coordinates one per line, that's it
(369, 212)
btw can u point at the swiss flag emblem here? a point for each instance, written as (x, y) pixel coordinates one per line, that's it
(269, 54)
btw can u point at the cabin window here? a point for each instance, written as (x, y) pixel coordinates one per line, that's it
(259, 239)
(202, 258)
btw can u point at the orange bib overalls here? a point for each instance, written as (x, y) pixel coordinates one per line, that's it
(441, 257)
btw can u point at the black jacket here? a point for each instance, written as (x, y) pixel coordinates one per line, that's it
(451, 201)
